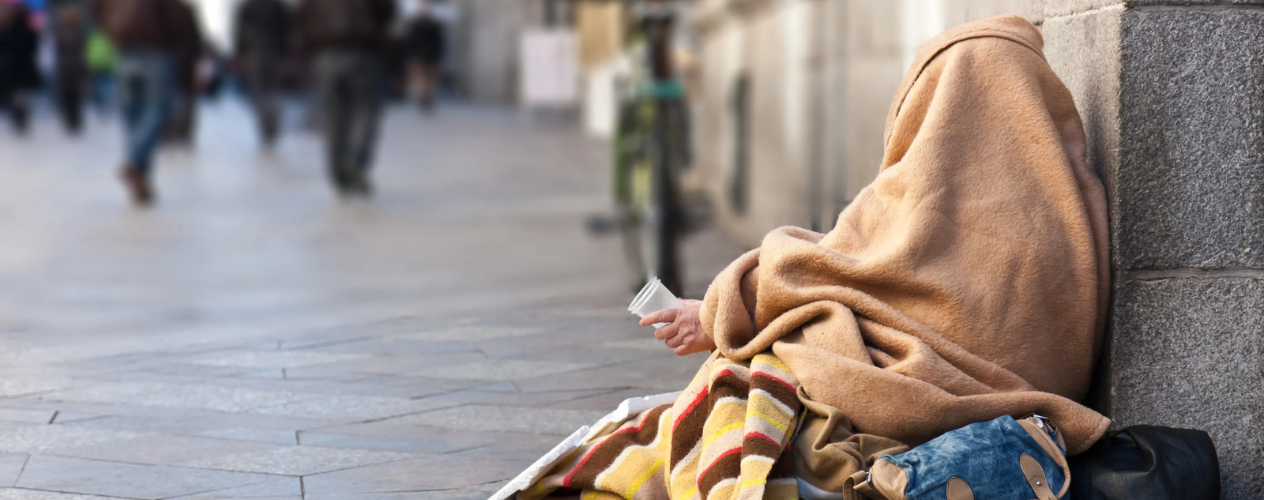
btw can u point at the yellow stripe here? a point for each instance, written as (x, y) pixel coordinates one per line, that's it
(590, 495)
(780, 426)
(722, 431)
(755, 481)
(645, 476)
(772, 361)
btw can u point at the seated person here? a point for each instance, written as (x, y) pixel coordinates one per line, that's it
(968, 282)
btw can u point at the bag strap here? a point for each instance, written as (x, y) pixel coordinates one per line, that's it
(1036, 477)
(1050, 448)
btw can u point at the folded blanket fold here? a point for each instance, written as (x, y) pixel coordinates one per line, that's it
(968, 281)
(723, 439)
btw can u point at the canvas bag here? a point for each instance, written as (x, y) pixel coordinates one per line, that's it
(1002, 459)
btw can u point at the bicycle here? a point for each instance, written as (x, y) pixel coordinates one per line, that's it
(651, 147)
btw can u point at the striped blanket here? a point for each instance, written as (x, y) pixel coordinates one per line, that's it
(725, 438)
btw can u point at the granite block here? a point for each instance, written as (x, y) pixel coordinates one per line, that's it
(1189, 352)
(1189, 191)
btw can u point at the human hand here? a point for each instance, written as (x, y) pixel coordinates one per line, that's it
(684, 333)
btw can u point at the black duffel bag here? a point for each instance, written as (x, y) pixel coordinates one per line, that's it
(1147, 462)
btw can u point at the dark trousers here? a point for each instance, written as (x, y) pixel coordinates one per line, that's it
(349, 86)
(146, 82)
(70, 97)
(263, 76)
(18, 104)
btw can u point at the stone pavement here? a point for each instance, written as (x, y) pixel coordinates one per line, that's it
(253, 337)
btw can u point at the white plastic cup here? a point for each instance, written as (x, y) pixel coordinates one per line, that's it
(654, 297)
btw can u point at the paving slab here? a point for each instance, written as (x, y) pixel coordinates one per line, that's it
(275, 488)
(26, 494)
(557, 421)
(163, 449)
(253, 336)
(95, 477)
(297, 460)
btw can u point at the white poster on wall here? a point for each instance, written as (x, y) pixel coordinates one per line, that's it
(549, 68)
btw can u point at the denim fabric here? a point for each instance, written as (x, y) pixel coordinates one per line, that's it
(146, 84)
(985, 455)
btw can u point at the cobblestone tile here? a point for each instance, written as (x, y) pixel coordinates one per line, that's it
(27, 416)
(500, 370)
(285, 437)
(25, 494)
(178, 396)
(442, 472)
(11, 465)
(272, 489)
(506, 419)
(93, 477)
(298, 460)
(44, 438)
(270, 359)
(455, 494)
(162, 450)
(518, 399)
(469, 333)
(343, 408)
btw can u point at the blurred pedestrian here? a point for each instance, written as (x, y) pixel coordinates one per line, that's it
(19, 75)
(423, 52)
(70, 41)
(102, 61)
(147, 35)
(262, 40)
(189, 53)
(347, 40)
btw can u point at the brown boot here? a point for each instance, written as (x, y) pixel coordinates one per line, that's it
(137, 186)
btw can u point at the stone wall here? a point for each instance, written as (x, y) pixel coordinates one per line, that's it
(1173, 100)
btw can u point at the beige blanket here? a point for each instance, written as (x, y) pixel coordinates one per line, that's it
(968, 281)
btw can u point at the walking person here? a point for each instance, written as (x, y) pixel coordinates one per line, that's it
(188, 58)
(19, 75)
(347, 40)
(102, 61)
(423, 50)
(147, 35)
(70, 41)
(262, 40)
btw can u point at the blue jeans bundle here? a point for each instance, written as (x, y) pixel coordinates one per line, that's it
(1002, 459)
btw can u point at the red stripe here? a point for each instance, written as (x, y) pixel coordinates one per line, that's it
(644, 417)
(733, 451)
(764, 437)
(770, 377)
(730, 372)
(696, 401)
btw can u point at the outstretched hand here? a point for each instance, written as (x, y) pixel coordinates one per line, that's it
(684, 333)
